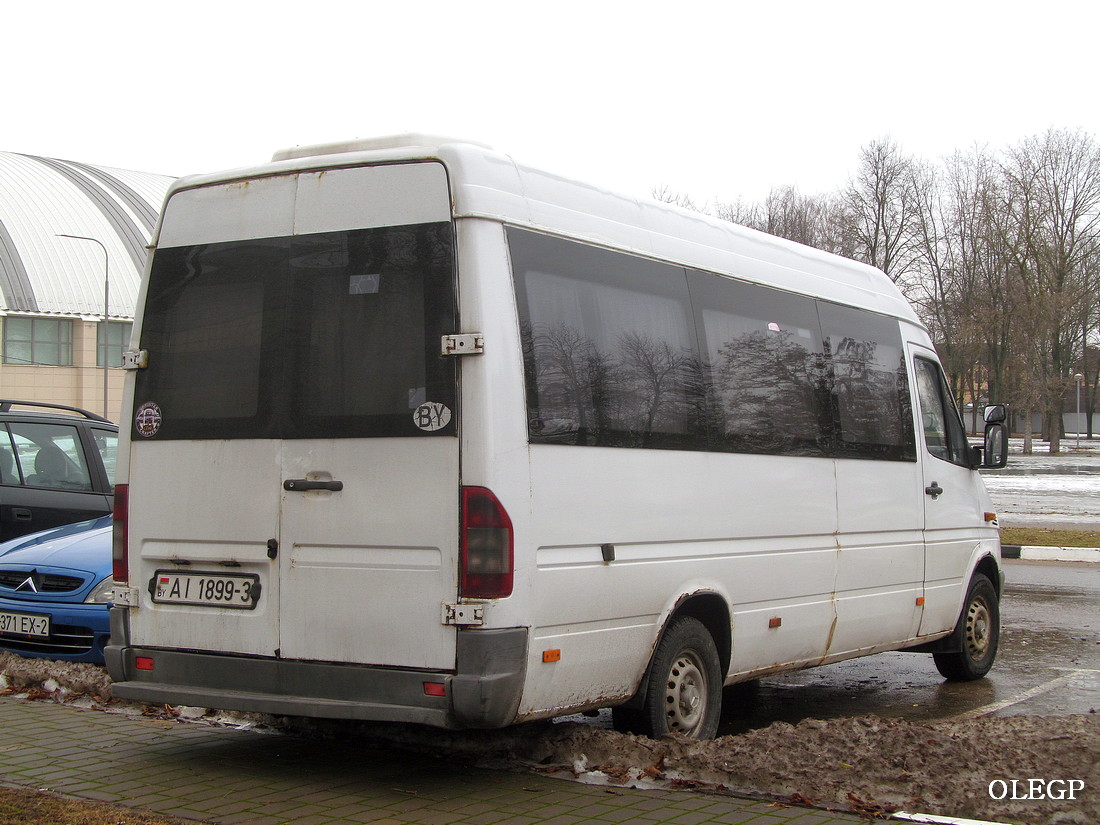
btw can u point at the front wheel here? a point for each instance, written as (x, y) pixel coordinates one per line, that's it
(972, 646)
(683, 691)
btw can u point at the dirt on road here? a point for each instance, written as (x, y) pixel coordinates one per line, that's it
(869, 765)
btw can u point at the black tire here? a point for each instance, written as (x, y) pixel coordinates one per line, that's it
(683, 689)
(972, 646)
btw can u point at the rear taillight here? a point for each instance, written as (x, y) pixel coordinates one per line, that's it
(120, 537)
(486, 545)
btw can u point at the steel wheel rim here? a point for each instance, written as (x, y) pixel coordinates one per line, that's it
(686, 693)
(979, 627)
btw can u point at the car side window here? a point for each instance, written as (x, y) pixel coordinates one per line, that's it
(50, 455)
(943, 431)
(107, 444)
(9, 469)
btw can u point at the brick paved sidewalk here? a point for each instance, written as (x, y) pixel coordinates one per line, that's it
(232, 777)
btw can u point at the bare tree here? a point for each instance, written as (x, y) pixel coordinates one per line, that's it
(1053, 214)
(879, 207)
(665, 194)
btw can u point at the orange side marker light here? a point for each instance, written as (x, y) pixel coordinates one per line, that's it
(551, 655)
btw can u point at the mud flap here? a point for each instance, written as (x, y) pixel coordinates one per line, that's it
(486, 690)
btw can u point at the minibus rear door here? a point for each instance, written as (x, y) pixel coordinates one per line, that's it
(295, 452)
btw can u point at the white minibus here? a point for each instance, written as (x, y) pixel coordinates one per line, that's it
(414, 432)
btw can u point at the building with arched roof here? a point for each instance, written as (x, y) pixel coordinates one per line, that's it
(73, 242)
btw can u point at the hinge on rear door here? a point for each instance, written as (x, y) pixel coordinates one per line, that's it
(135, 359)
(124, 596)
(463, 614)
(470, 343)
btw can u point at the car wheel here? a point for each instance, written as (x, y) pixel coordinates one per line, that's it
(683, 687)
(972, 646)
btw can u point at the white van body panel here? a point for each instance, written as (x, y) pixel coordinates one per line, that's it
(812, 559)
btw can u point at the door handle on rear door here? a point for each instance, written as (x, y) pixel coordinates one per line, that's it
(304, 485)
(934, 490)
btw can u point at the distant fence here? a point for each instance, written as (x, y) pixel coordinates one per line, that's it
(1072, 424)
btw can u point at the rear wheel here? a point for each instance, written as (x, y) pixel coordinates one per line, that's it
(972, 646)
(683, 691)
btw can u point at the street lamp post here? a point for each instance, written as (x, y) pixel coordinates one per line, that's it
(1078, 378)
(106, 311)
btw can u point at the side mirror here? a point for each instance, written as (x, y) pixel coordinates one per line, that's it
(996, 414)
(996, 445)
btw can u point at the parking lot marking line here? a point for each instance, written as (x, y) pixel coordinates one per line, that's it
(1038, 690)
(940, 820)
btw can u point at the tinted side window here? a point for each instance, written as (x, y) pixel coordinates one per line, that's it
(765, 368)
(943, 430)
(869, 384)
(627, 352)
(609, 346)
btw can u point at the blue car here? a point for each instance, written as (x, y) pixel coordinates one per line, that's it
(55, 591)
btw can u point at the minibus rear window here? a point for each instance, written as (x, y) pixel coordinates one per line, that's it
(330, 335)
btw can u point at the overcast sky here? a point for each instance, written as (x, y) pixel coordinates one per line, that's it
(713, 99)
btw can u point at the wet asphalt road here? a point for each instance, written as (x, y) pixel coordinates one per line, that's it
(1048, 664)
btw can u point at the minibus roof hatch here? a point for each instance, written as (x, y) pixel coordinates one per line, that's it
(404, 140)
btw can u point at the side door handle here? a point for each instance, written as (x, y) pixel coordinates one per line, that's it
(304, 485)
(934, 490)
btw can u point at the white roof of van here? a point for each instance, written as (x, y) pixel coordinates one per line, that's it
(489, 184)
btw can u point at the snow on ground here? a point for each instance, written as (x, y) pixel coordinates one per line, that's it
(1042, 490)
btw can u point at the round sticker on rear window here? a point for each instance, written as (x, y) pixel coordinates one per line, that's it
(147, 420)
(431, 416)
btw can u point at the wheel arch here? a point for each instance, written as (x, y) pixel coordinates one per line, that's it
(988, 567)
(713, 612)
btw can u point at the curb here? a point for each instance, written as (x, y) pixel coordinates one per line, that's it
(1015, 551)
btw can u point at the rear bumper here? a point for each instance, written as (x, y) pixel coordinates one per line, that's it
(483, 692)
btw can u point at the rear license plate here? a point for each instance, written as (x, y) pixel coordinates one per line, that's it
(24, 624)
(240, 591)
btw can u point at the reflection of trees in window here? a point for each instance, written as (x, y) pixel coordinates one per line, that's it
(632, 395)
(653, 385)
(872, 397)
(770, 387)
(627, 352)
